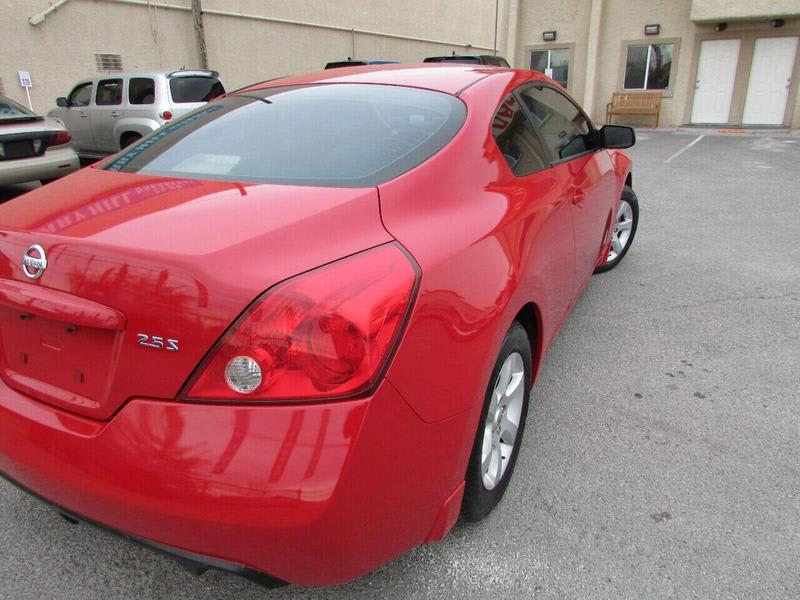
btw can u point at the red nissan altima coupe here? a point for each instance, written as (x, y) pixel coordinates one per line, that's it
(293, 334)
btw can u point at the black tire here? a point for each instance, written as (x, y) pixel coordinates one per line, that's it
(46, 181)
(628, 196)
(127, 139)
(478, 500)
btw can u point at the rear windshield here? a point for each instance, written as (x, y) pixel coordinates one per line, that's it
(12, 111)
(194, 89)
(340, 135)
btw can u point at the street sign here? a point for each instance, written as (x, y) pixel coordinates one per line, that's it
(25, 79)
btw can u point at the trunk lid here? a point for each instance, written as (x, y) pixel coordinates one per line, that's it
(137, 266)
(25, 137)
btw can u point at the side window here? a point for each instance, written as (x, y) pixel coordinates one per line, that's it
(564, 129)
(141, 90)
(81, 95)
(517, 140)
(109, 92)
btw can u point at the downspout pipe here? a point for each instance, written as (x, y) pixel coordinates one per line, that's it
(39, 17)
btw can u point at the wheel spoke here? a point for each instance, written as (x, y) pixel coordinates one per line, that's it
(487, 460)
(498, 460)
(515, 384)
(503, 379)
(508, 430)
(496, 396)
(625, 225)
(616, 246)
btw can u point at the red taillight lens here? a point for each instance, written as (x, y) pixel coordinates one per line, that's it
(59, 138)
(166, 115)
(325, 334)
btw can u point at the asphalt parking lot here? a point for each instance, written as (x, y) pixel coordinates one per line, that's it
(662, 455)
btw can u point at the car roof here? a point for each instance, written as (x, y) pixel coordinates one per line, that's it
(442, 77)
(153, 72)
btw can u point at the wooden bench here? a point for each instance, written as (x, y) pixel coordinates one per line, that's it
(634, 103)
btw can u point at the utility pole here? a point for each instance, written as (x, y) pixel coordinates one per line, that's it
(496, 15)
(199, 33)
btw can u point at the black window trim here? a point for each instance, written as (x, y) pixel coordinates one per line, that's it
(126, 96)
(122, 91)
(78, 86)
(554, 160)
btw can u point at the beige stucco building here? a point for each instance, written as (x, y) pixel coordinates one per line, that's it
(720, 62)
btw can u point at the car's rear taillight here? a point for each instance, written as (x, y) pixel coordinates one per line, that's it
(166, 115)
(59, 138)
(327, 333)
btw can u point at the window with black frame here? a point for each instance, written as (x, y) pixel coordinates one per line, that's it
(647, 67)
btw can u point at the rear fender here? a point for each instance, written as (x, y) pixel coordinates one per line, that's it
(134, 125)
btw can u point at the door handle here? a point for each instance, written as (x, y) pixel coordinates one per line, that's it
(84, 115)
(115, 114)
(578, 197)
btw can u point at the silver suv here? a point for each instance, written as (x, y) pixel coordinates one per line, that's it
(109, 112)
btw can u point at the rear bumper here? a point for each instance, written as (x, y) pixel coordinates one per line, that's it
(309, 494)
(194, 563)
(54, 163)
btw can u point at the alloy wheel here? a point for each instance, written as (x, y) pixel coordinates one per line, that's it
(502, 420)
(622, 230)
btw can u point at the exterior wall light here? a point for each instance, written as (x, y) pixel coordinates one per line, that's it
(777, 22)
(549, 36)
(720, 27)
(652, 29)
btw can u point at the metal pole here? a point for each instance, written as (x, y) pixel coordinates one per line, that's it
(28, 92)
(199, 33)
(496, 13)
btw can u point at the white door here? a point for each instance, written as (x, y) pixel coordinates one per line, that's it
(770, 77)
(716, 73)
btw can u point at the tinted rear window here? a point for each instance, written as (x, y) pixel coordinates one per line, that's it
(12, 110)
(469, 60)
(194, 89)
(341, 135)
(141, 90)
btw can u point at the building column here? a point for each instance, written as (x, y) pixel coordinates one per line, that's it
(592, 54)
(511, 12)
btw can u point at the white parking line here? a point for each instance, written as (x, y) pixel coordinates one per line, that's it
(684, 149)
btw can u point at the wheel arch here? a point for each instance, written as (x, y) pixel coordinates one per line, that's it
(139, 126)
(530, 317)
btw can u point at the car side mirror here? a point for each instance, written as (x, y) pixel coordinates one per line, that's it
(617, 136)
(62, 102)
